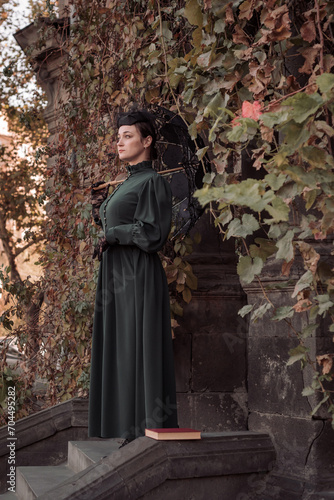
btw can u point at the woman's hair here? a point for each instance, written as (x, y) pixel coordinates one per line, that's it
(146, 129)
(144, 123)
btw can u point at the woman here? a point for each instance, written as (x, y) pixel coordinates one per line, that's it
(132, 383)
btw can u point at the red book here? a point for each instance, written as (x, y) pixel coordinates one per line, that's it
(172, 434)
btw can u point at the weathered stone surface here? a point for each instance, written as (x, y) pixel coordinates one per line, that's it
(213, 412)
(220, 362)
(211, 488)
(216, 314)
(293, 439)
(182, 361)
(322, 452)
(273, 386)
(266, 327)
(145, 465)
(42, 438)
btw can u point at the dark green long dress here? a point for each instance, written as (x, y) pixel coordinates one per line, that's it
(132, 382)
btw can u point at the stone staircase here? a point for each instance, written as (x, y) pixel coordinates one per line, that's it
(220, 465)
(34, 481)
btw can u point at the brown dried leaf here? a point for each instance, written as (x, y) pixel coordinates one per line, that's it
(266, 133)
(310, 256)
(326, 362)
(261, 78)
(328, 63)
(308, 31)
(309, 54)
(291, 84)
(229, 17)
(207, 4)
(239, 36)
(278, 23)
(246, 9)
(286, 267)
(245, 55)
(302, 305)
(220, 165)
(230, 80)
(328, 22)
(274, 18)
(257, 155)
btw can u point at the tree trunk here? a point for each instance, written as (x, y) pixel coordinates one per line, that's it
(8, 247)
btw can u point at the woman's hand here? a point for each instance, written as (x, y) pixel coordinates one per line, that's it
(100, 248)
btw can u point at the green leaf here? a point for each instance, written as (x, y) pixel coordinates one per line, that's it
(224, 217)
(297, 354)
(242, 229)
(186, 295)
(192, 129)
(279, 210)
(314, 411)
(308, 391)
(248, 268)
(191, 280)
(246, 193)
(285, 247)
(310, 197)
(166, 32)
(282, 313)
(245, 310)
(215, 106)
(324, 303)
(208, 178)
(325, 82)
(270, 119)
(275, 181)
(193, 13)
(303, 105)
(238, 133)
(304, 282)
(308, 330)
(265, 249)
(314, 156)
(201, 152)
(295, 135)
(260, 312)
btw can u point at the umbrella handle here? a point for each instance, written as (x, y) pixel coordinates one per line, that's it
(114, 183)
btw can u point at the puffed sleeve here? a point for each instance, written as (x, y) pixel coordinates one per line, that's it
(152, 218)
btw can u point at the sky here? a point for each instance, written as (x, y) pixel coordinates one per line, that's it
(20, 11)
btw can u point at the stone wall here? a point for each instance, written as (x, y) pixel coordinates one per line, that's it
(304, 444)
(211, 342)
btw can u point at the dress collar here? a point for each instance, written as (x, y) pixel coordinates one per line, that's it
(139, 167)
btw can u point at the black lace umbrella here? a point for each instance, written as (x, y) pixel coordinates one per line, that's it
(175, 148)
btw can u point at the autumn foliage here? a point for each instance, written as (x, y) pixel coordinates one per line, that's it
(254, 78)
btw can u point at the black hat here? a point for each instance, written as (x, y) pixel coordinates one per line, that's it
(133, 117)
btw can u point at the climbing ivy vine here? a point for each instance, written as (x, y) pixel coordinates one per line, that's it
(254, 79)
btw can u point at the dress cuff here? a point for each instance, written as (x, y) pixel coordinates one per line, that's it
(110, 236)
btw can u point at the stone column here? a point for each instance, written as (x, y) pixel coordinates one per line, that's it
(48, 63)
(211, 342)
(305, 445)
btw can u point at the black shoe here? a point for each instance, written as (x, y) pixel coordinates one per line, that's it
(125, 442)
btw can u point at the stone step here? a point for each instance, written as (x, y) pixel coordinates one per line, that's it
(82, 454)
(150, 469)
(33, 481)
(8, 496)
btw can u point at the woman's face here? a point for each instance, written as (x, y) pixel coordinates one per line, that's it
(132, 147)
